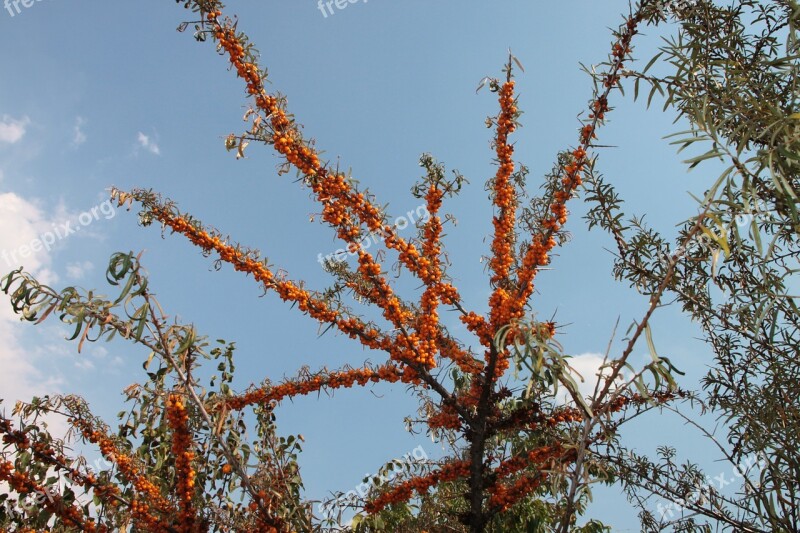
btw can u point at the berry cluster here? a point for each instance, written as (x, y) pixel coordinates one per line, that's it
(182, 444)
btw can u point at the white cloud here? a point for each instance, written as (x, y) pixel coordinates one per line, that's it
(12, 130)
(21, 222)
(588, 366)
(78, 270)
(148, 144)
(78, 135)
(93, 355)
(82, 363)
(26, 373)
(23, 375)
(98, 352)
(30, 360)
(21, 378)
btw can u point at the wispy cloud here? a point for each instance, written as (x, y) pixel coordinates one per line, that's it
(78, 270)
(78, 135)
(12, 130)
(148, 144)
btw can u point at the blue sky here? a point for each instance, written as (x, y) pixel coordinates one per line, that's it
(109, 93)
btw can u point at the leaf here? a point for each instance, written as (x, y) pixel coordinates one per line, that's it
(651, 62)
(240, 151)
(721, 240)
(83, 338)
(46, 313)
(640, 386)
(186, 342)
(714, 261)
(482, 83)
(149, 360)
(672, 367)
(653, 90)
(230, 142)
(140, 314)
(78, 326)
(648, 334)
(126, 290)
(664, 372)
(585, 406)
(713, 153)
(518, 63)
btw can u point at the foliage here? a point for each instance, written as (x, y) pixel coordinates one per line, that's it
(732, 73)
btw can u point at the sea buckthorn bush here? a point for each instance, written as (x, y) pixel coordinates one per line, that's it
(182, 459)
